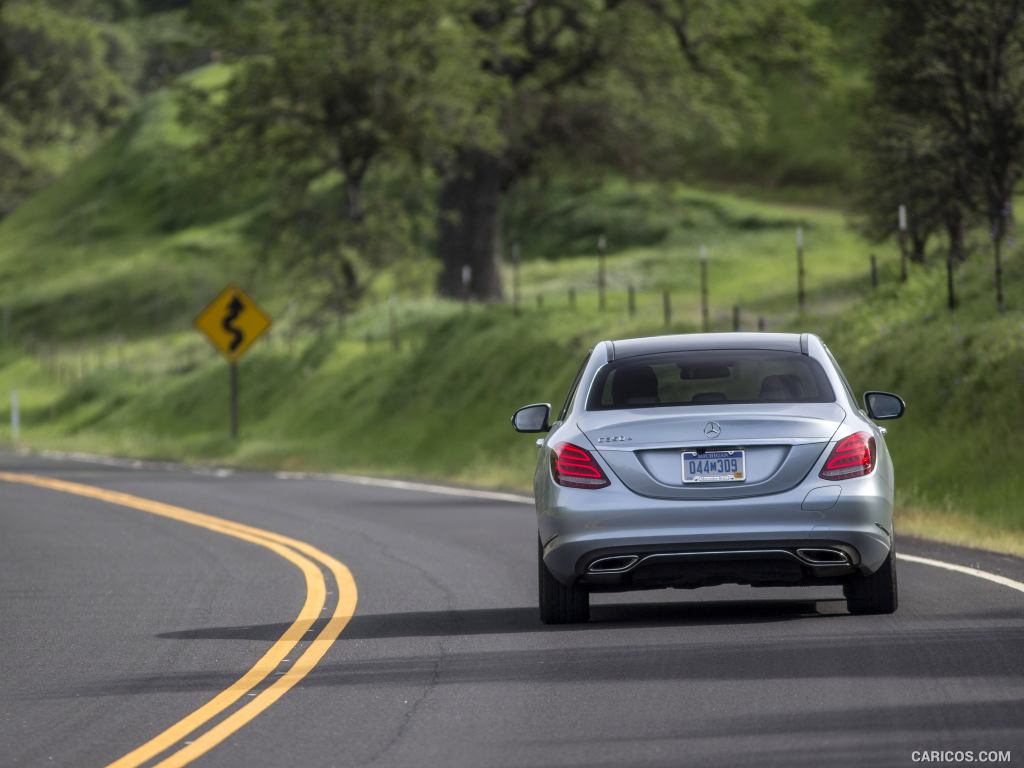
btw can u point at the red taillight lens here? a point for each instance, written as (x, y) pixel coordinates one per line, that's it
(574, 467)
(853, 456)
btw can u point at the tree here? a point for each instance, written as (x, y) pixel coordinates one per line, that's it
(533, 51)
(949, 74)
(345, 108)
(333, 98)
(615, 83)
(903, 163)
(976, 69)
(65, 78)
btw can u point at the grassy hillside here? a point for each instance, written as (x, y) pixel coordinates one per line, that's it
(103, 272)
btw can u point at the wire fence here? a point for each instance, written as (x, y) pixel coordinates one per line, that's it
(391, 325)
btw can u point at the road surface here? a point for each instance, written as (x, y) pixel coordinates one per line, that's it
(119, 622)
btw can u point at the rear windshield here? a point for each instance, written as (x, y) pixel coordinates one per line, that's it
(710, 377)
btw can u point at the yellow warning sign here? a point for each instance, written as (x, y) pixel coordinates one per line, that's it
(232, 322)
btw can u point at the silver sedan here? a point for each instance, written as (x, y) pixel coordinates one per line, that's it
(694, 460)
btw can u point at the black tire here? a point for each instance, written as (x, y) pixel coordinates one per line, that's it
(876, 593)
(560, 604)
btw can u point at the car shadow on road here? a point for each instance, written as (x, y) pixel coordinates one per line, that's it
(850, 648)
(501, 621)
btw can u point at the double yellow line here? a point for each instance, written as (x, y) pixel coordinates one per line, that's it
(306, 558)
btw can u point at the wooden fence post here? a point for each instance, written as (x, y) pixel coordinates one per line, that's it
(704, 314)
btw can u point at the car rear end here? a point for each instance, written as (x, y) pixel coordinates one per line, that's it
(689, 461)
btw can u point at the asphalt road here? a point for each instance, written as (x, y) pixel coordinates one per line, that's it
(116, 623)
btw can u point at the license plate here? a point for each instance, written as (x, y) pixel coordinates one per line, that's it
(714, 467)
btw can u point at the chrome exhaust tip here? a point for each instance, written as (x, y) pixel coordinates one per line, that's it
(613, 564)
(823, 556)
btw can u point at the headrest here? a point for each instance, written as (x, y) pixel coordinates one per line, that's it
(781, 387)
(635, 385)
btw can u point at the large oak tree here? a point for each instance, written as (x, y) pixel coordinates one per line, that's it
(625, 84)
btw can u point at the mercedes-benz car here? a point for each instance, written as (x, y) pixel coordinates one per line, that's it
(701, 459)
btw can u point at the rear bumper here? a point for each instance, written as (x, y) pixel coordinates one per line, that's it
(577, 526)
(758, 563)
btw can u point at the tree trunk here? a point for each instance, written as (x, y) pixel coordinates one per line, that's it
(918, 241)
(955, 232)
(354, 198)
(469, 228)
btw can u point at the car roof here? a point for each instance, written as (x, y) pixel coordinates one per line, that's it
(681, 342)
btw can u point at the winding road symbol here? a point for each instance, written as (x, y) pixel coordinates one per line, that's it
(235, 308)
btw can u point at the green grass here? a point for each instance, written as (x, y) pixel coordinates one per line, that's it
(654, 240)
(104, 271)
(962, 373)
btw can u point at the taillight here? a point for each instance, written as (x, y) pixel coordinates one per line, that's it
(853, 456)
(574, 467)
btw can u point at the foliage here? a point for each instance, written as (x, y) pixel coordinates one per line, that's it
(342, 110)
(130, 253)
(625, 82)
(946, 128)
(904, 163)
(803, 140)
(173, 43)
(612, 84)
(65, 78)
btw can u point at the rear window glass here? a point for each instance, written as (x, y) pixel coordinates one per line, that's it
(710, 377)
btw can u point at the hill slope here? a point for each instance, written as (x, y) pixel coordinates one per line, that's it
(103, 272)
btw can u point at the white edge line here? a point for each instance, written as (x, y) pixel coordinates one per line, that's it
(405, 485)
(513, 498)
(447, 490)
(993, 577)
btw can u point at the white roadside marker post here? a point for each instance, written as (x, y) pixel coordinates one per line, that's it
(467, 279)
(902, 215)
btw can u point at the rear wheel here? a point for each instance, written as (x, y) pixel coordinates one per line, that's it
(560, 604)
(876, 593)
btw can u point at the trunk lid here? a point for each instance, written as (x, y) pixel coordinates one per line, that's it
(643, 446)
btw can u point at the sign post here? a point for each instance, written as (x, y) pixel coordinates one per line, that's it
(602, 279)
(231, 323)
(233, 386)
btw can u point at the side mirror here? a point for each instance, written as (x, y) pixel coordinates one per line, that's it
(532, 418)
(883, 405)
